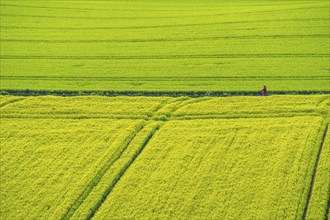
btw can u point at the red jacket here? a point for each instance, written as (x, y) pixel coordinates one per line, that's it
(264, 90)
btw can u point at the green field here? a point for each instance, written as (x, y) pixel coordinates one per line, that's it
(162, 157)
(165, 45)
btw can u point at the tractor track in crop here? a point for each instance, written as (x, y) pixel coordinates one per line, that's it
(327, 212)
(178, 118)
(314, 172)
(11, 101)
(102, 41)
(165, 57)
(179, 25)
(105, 195)
(107, 28)
(98, 177)
(180, 103)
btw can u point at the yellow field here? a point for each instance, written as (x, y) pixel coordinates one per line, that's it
(149, 157)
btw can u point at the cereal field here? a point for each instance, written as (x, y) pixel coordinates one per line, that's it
(165, 45)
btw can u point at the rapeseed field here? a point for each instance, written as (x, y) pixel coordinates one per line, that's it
(149, 157)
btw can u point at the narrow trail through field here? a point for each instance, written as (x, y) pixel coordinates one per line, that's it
(153, 93)
(314, 173)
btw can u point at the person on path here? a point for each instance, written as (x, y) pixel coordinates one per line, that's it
(263, 91)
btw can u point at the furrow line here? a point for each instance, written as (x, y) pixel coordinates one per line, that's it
(204, 24)
(314, 173)
(161, 57)
(167, 39)
(106, 28)
(121, 173)
(105, 195)
(327, 212)
(108, 9)
(87, 18)
(207, 117)
(10, 102)
(162, 78)
(97, 178)
(71, 210)
(203, 15)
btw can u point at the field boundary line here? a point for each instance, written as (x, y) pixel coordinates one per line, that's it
(5, 103)
(315, 171)
(97, 178)
(152, 93)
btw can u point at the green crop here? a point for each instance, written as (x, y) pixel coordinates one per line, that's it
(165, 45)
(162, 157)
